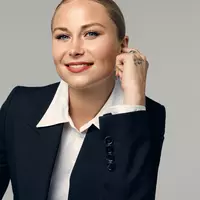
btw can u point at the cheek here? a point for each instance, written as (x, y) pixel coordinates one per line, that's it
(57, 52)
(105, 58)
(104, 51)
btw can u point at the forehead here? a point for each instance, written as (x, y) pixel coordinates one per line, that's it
(82, 11)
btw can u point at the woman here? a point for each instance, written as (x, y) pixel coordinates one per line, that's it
(92, 136)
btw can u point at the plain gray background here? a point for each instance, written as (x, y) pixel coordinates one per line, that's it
(167, 32)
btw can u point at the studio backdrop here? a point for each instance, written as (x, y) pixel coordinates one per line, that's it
(167, 32)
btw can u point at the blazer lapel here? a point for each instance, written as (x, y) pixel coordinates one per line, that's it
(40, 146)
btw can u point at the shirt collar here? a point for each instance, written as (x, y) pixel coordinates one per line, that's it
(58, 110)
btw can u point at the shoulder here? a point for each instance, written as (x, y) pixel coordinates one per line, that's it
(33, 91)
(29, 97)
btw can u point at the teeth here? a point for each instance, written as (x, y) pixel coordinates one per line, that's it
(78, 66)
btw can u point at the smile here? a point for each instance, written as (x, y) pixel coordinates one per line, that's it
(78, 67)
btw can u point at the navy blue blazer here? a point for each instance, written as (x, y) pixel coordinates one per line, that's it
(118, 162)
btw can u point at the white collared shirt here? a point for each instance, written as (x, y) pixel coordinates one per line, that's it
(72, 139)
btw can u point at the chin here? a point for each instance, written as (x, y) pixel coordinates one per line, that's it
(79, 82)
(85, 80)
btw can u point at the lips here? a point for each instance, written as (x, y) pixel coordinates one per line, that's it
(77, 67)
(78, 64)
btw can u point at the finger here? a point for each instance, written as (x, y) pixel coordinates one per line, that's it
(134, 51)
(120, 61)
(127, 50)
(136, 55)
(119, 64)
(137, 58)
(122, 58)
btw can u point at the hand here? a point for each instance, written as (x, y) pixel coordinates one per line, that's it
(131, 67)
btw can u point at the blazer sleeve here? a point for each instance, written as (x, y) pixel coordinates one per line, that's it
(4, 171)
(133, 142)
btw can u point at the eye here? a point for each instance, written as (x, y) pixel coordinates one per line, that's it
(62, 37)
(92, 34)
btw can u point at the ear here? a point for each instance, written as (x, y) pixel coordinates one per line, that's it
(124, 42)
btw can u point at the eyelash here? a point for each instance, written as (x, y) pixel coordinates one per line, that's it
(59, 37)
(95, 32)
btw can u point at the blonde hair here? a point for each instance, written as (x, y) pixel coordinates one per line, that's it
(114, 13)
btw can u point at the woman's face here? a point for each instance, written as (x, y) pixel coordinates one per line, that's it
(84, 33)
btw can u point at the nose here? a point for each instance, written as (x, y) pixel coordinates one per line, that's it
(76, 49)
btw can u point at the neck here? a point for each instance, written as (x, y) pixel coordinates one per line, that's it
(85, 104)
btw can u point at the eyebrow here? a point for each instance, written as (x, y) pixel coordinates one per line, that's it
(82, 27)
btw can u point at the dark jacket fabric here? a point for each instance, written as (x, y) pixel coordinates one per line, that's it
(118, 162)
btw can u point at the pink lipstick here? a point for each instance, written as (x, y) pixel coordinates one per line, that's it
(77, 67)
